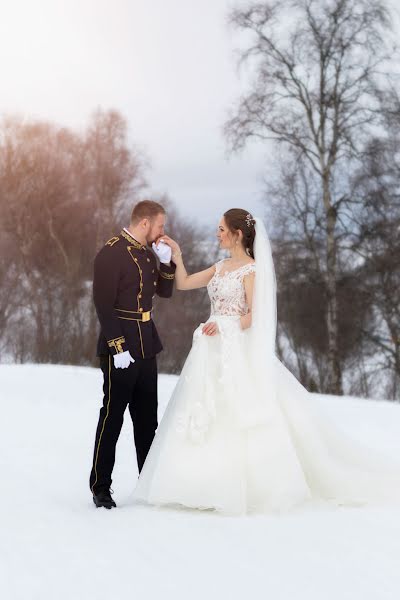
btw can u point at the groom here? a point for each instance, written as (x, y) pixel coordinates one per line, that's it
(126, 278)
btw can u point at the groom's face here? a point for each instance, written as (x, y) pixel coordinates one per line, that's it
(156, 229)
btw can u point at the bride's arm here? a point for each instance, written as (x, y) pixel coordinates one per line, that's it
(182, 279)
(245, 320)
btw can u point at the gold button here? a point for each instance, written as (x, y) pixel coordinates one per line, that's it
(148, 260)
(155, 283)
(140, 309)
(153, 271)
(140, 295)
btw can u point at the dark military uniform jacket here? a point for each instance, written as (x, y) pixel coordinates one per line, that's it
(126, 279)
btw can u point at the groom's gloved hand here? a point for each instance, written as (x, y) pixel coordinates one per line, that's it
(123, 360)
(163, 251)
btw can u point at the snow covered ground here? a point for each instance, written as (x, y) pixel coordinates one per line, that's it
(55, 545)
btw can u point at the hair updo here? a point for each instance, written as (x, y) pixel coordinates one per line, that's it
(239, 219)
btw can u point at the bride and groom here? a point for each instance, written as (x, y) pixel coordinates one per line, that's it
(240, 433)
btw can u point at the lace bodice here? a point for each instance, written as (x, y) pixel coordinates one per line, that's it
(227, 292)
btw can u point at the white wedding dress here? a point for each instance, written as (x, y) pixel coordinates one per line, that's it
(240, 433)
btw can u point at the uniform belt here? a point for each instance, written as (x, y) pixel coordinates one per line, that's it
(132, 315)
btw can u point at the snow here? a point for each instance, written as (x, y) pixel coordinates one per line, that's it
(55, 544)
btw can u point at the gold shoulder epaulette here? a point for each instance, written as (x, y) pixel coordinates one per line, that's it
(112, 241)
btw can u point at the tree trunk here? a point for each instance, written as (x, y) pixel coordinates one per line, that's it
(396, 375)
(334, 374)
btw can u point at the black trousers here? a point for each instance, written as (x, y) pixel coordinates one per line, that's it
(135, 387)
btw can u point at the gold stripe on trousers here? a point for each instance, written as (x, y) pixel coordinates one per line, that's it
(105, 419)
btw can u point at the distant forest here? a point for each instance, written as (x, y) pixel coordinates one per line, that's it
(326, 98)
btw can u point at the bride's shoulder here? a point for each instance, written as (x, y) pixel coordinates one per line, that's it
(249, 268)
(219, 264)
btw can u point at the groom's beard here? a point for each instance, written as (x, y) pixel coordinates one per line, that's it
(153, 240)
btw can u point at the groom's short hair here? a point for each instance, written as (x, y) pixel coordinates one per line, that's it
(146, 209)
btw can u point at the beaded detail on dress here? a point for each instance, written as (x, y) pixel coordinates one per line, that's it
(227, 292)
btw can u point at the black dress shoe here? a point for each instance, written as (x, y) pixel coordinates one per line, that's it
(103, 498)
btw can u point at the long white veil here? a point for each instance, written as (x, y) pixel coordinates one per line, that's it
(262, 334)
(340, 467)
(264, 301)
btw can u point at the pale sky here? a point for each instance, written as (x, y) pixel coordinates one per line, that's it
(167, 65)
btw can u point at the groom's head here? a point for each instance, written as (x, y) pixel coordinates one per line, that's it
(149, 218)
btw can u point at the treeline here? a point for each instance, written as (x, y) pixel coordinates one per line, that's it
(367, 277)
(63, 194)
(324, 90)
(327, 95)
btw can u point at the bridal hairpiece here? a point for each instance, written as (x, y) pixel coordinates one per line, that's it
(250, 222)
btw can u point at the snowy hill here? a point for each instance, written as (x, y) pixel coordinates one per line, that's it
(56, 545)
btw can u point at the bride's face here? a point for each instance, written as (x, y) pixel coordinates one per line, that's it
(224, 236)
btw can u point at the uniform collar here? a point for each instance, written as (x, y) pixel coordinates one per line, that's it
(125, 233)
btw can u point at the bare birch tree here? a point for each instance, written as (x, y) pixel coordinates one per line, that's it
(377, 244)
(316, 68)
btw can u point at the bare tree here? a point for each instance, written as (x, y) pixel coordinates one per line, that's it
(315, 90)
(112, 177)
(377, 244)
(298, 221)
(10, 293)
(113, 170)
(61, 197)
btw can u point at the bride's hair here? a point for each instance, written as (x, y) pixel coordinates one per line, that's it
(238, 218)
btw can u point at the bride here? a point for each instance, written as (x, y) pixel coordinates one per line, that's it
(240, 433)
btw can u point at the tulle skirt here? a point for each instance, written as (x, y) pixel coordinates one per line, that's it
(222, 445)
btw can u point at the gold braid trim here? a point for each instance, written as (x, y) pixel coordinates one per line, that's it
(132, 240)
(112, 241)
(167, 275)
(104, 422)
(117, 344)
(141, 339)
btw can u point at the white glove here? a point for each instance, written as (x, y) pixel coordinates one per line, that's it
(163, 251)
(123, 360)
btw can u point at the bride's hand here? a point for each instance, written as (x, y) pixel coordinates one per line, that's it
(171, 243)
(210, 328)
